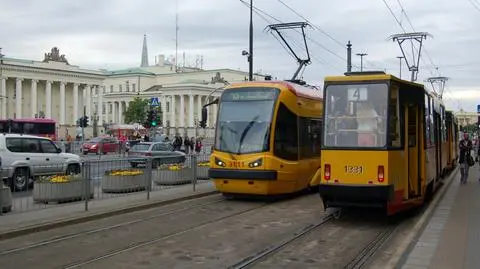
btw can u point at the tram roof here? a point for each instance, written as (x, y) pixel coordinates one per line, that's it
(298, 90)
(371, 77)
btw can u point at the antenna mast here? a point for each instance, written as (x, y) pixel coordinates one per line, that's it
(176, 39)
(292, 26)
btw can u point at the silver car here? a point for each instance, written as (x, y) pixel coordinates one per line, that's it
(25, 157)
(160, 152)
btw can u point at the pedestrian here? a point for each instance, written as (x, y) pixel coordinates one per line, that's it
(186, 143)
(192, 144)
(466, 159)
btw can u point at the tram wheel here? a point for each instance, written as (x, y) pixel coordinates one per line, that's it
(337, 214)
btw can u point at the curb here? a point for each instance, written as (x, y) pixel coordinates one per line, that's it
(408, 243)
(81, 219)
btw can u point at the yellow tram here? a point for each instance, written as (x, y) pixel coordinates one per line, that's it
(267, 139)
(386, 142)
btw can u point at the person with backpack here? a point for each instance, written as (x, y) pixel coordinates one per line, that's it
(465, 159)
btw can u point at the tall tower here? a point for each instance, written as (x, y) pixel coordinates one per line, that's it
(144, 52)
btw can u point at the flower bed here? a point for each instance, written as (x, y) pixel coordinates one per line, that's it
(121, 181)
(5, 199)
(202, 170)
(175, 174)
(61, 189)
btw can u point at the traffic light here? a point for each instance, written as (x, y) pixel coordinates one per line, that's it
(153, 117)
(85, 122)
(79, 122)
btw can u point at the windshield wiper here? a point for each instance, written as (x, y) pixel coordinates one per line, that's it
(245, 131)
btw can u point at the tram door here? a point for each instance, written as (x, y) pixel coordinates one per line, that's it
(412, 133)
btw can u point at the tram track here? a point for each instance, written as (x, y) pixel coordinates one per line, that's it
(54, 240)
(81, 246)
(350, 246)
(252, 260)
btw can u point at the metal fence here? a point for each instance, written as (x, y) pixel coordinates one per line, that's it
(96, 180)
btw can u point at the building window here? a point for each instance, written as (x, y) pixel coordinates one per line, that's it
(111, 88)
(120, 88)
(168, 107)
(133, 87)
(104, 110)
(127, 86)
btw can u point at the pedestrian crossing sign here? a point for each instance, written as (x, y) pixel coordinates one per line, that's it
(154, 101)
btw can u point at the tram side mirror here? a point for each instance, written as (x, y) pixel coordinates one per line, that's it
(203, 122)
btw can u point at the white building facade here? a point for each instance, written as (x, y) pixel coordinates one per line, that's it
(54, 89)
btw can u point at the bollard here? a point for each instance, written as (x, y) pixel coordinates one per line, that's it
(149, 176)
(86, 177)
(193, 161)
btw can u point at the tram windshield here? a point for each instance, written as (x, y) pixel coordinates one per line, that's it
(244, 120)
(356, 116)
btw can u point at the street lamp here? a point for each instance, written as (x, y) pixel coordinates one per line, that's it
(361, 60)
(250, 53)
(400, 58)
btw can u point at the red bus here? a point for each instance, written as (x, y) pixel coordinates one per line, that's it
(33, 126)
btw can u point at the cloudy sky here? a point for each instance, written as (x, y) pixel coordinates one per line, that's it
(108, 34)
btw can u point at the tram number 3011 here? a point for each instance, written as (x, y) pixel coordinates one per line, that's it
(353, 169)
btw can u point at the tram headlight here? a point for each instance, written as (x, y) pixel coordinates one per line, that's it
(256, 163)
(219, 162)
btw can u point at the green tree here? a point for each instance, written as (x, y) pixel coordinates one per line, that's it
(136, 111)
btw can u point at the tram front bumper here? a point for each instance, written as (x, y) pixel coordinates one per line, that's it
(216, 173)
(356, 195)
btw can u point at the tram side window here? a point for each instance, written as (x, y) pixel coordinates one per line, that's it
(309, 142)
(428, 123)
(286, 136)
(395, 137)
(433, 122)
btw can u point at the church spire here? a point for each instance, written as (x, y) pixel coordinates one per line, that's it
(144, 52)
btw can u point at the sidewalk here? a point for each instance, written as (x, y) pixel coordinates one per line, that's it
(451, 238)
(16, 224)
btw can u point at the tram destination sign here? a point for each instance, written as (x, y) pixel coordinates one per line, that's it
(255, 94)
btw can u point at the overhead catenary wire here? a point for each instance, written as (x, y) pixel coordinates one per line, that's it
(262, 14)
(318, 28)
(405, 31)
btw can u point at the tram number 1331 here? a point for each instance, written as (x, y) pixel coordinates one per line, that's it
(353, 169)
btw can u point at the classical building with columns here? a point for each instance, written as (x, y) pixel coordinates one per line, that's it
(53, 88)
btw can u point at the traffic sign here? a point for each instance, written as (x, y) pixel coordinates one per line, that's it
(154, 101)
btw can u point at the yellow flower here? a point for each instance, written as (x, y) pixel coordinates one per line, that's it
(175, 167)
(60, 178)
(204, 164)
(133, 172)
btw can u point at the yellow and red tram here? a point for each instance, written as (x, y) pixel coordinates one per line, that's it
(267, 139)
(386, 142)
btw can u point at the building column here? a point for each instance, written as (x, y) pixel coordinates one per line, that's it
(62, 103)
(199, 108)
(100, 105)
(88, 100)
(18, 99)
(182, 111)
(75, 103)
(114, 114)
(33, 88)
(120, 112)
(209, 111)
(214, 115)
(164, 110)
(190, 111)
(48, 99)
(172, 111)
(3, 92)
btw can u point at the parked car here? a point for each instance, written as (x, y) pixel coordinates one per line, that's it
(162, 153)
(94, 145)
(26, 157)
